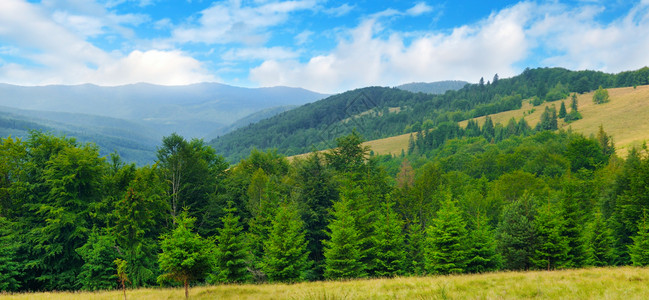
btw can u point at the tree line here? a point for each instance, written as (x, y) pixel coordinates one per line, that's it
(71, 219)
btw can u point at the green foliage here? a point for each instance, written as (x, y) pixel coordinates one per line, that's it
(482, 255)
(232, 258)
(446, 243)
(552, 247)
(562, 110)
(601, 96)
(10, 269)
(515, 234)
(415, 245)
(600, 245)
(99, 253)
(548, 120)
(639, 250)
(342, 251)
(388, 245)
(185, 255)
(285, 250)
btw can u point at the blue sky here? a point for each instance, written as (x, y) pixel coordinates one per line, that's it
(325, 46)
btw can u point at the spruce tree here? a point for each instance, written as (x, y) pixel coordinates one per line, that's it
(185, 255)
(573, 231)
(446, 241)
(481, 251)
(10, 268)
(562, 110)
(342, 250)
(388, 243)
(552, 248)
(639, 250)
(286, 258)
(515, 234)
(98, 271)
(416, 239)
(232, 258)
(600, 246)
(573, 103)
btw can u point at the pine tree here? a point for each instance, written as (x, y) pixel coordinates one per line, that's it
(388, 243)
(599, 243)
(446, 241)
(285, 250)
(416, 239)
(552, 248)
(481, 252)
(488, 131)
(342, 250)
(573, 103)
(639, 250)
(562, 110)
(232, 259)
(573, 231)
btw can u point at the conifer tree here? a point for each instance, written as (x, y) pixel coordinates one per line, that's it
(552, 248)
(573, 103)
(388, 243)
(285, 250)
(185, 255)
(488, 130)
(10, 269)
(446, 241)
(562, 110)
(98, 270)
(232, 258)
(342, 250)
(573, 231)
(639, 250)
(481, 251)
(416, 239)
(516, 234)
(599, 243)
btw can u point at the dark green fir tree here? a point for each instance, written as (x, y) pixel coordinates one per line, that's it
(599, 242)
(285, 250)
(388, 244)
(481, 252)
(416, 240)
(552, 248)
(639, 250)
(446, 244)
(232, 257)
(342, 250)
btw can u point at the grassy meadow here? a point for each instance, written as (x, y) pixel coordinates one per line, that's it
(626, 118)
(596, 283)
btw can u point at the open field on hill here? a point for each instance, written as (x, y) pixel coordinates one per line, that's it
(596, 283)
(625, 117)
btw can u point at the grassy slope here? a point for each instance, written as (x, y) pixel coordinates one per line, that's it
(599, 283)
(626, 118)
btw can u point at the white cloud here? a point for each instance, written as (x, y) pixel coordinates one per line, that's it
(232, 22)
(363, 59)
(339, 11)
(419, 9)
(275, 53)
(570, 37)
(57, 55)
(303, 37)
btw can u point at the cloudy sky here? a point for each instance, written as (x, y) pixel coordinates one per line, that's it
(325, 46)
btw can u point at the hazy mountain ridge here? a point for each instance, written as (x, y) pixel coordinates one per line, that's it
(191, 110)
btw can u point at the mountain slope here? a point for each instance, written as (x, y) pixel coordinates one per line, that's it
(134, 143)
(193, 110)
(378, 112)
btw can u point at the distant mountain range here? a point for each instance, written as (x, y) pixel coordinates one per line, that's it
(132, 119)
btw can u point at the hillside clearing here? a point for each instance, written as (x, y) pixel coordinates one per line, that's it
(626, 118)
(596, 283)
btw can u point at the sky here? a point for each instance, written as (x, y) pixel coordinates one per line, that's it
(324, 46)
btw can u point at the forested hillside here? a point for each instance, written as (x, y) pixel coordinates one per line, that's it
(439, 87)
(532, 199)
(382, 112)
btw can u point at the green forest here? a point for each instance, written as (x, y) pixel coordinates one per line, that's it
(380, 112)
(532, 199)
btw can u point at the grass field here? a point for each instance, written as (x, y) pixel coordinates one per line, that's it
(597, 283)
(626, 118)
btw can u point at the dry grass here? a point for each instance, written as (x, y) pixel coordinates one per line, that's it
(626, 118)
(596, 283)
